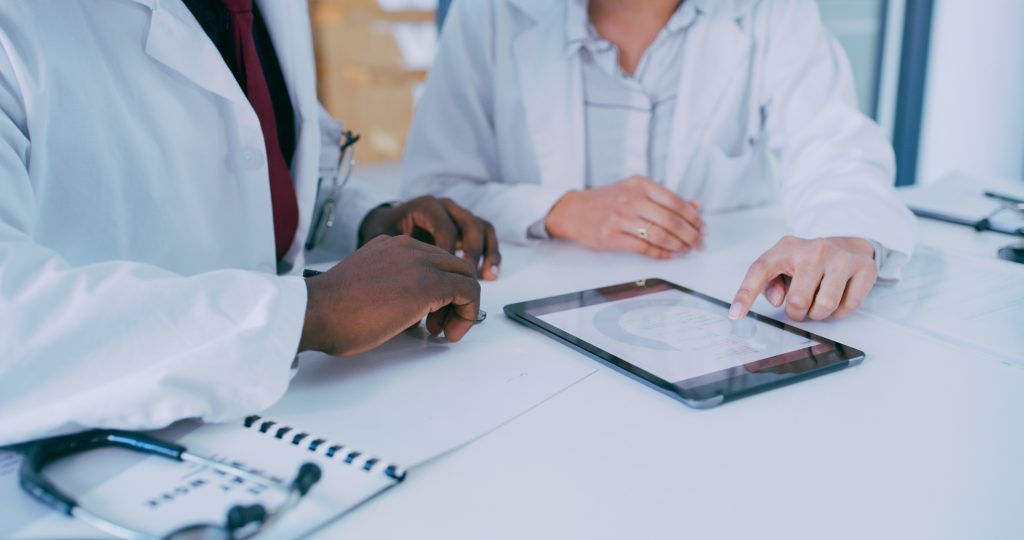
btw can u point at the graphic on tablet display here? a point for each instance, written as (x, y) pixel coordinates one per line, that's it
(682, 342)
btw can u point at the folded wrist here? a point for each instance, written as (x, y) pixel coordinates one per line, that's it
(555, 224)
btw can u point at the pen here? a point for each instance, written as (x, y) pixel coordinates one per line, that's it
(481, 315)
(1004, 198)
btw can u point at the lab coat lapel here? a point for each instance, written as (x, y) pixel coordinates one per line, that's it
(715, 52)
(552, 89)
(176, 40)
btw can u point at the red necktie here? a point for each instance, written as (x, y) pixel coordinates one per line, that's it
(247, 68)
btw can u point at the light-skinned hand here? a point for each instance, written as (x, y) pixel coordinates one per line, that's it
(815, 278)
(609, 218)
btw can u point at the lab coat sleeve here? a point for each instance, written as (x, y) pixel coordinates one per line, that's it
(836, 166)
(356, 200)
(121, 344)
(452, 149)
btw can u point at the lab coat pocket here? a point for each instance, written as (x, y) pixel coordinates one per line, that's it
(731, 182)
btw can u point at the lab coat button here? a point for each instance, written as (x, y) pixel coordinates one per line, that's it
(251, 158)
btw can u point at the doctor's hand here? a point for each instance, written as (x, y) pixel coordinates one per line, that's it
(636, 214)
(815, 278)
(442, 223)
(385, 287)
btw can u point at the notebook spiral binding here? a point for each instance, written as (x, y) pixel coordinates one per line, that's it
(323, 447)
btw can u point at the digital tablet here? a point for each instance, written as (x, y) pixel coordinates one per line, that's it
(682, 342)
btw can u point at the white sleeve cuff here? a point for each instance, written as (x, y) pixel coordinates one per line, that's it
(538, 230)
(888, 262)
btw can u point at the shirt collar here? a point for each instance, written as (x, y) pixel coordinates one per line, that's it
(580, 33)
(578, 30)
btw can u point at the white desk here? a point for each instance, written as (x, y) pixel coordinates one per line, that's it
(923, 440)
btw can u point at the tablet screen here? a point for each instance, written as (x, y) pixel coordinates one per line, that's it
(674, 335)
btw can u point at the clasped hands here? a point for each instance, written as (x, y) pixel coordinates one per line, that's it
(815, 278)
(405, 270)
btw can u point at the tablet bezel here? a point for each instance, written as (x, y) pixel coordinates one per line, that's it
(703, 391)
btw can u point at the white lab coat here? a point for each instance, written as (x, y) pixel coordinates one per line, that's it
(765, 109)
(138, 279)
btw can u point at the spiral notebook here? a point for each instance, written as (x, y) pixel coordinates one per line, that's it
(157, 495)
(357, 419)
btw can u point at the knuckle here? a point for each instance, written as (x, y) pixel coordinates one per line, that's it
(821, 247)
(852, 304)
(818, 314)
(798, 301)
(759, 266)
(827, 302)
(426, 280)
(746, 293)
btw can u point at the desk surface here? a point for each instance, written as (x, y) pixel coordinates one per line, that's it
(923, 440)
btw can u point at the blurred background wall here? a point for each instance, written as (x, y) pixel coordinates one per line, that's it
(944, 78)
(974, 103)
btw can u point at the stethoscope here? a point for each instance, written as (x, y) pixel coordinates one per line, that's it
(242, 521)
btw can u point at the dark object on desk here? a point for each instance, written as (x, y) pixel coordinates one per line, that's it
(481, 315)
(981, 225)
(1012, 253)
(242, 521)
(681, 341)
(1004, 198)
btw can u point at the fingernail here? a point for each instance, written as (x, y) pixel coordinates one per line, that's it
(734, 311)
(495, 270)
(703, 230)
(775, 296)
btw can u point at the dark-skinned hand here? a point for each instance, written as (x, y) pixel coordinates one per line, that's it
(442, 223)
(386, 286)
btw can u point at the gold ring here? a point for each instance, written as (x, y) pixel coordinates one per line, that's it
(644, 232)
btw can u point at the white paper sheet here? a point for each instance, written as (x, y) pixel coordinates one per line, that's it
(418, 396)
(962, 300)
